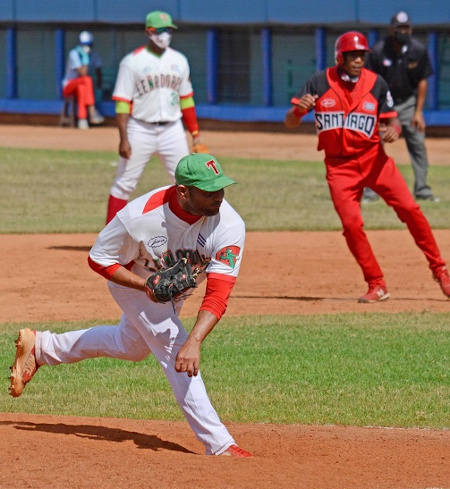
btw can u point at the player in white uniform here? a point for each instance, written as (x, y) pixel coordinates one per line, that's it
(190, 219)
(153, 92)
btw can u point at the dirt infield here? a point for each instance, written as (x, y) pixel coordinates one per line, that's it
(88, 453)
(278, 146)
(65, 452)
(327, 280)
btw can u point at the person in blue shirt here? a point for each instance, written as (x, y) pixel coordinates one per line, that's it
(78, 82)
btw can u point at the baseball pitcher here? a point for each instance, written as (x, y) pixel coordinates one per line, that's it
(152, 253)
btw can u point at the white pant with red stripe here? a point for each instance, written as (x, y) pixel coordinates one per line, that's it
(145, 328)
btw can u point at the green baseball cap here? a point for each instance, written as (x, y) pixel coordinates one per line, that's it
(202, 171)
(158, 19)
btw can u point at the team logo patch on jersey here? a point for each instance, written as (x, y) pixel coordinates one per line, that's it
(157, 241)
(389, 99)
(369, 106)
(229, 255)
(328, 102)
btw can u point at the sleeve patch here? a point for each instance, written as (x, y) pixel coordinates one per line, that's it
(229, 255)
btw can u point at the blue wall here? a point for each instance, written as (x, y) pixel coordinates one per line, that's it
(287, 39)
(212, 12)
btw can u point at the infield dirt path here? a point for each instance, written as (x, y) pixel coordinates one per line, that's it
(66, 452)
(265, 145)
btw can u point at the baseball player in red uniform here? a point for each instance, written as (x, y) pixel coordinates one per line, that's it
(189, 220)
(153, 92)
(354, 114)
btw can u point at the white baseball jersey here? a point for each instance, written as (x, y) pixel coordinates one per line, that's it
(153, 232)
(154, 84)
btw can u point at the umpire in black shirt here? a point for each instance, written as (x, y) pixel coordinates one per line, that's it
(405, 65)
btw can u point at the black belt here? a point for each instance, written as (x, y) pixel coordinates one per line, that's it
(162, 123)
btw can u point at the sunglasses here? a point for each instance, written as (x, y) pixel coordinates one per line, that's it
(160, 30)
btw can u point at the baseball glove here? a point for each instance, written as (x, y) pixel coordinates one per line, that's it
(200, 148)
(170, 284)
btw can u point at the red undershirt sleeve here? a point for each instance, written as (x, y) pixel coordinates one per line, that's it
(218, 290)
(189, 115)
(106, 272)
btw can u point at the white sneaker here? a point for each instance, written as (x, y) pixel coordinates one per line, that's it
(97, 119)
(83, 124)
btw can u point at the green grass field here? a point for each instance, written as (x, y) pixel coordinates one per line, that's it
(66, 192)
(355, 369)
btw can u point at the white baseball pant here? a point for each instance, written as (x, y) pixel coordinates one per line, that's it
(145, 328)
(147, 140)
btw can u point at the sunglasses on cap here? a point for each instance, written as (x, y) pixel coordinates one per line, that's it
(160, 30)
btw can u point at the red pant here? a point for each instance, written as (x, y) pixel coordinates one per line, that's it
(83, 89)
(347, 179)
